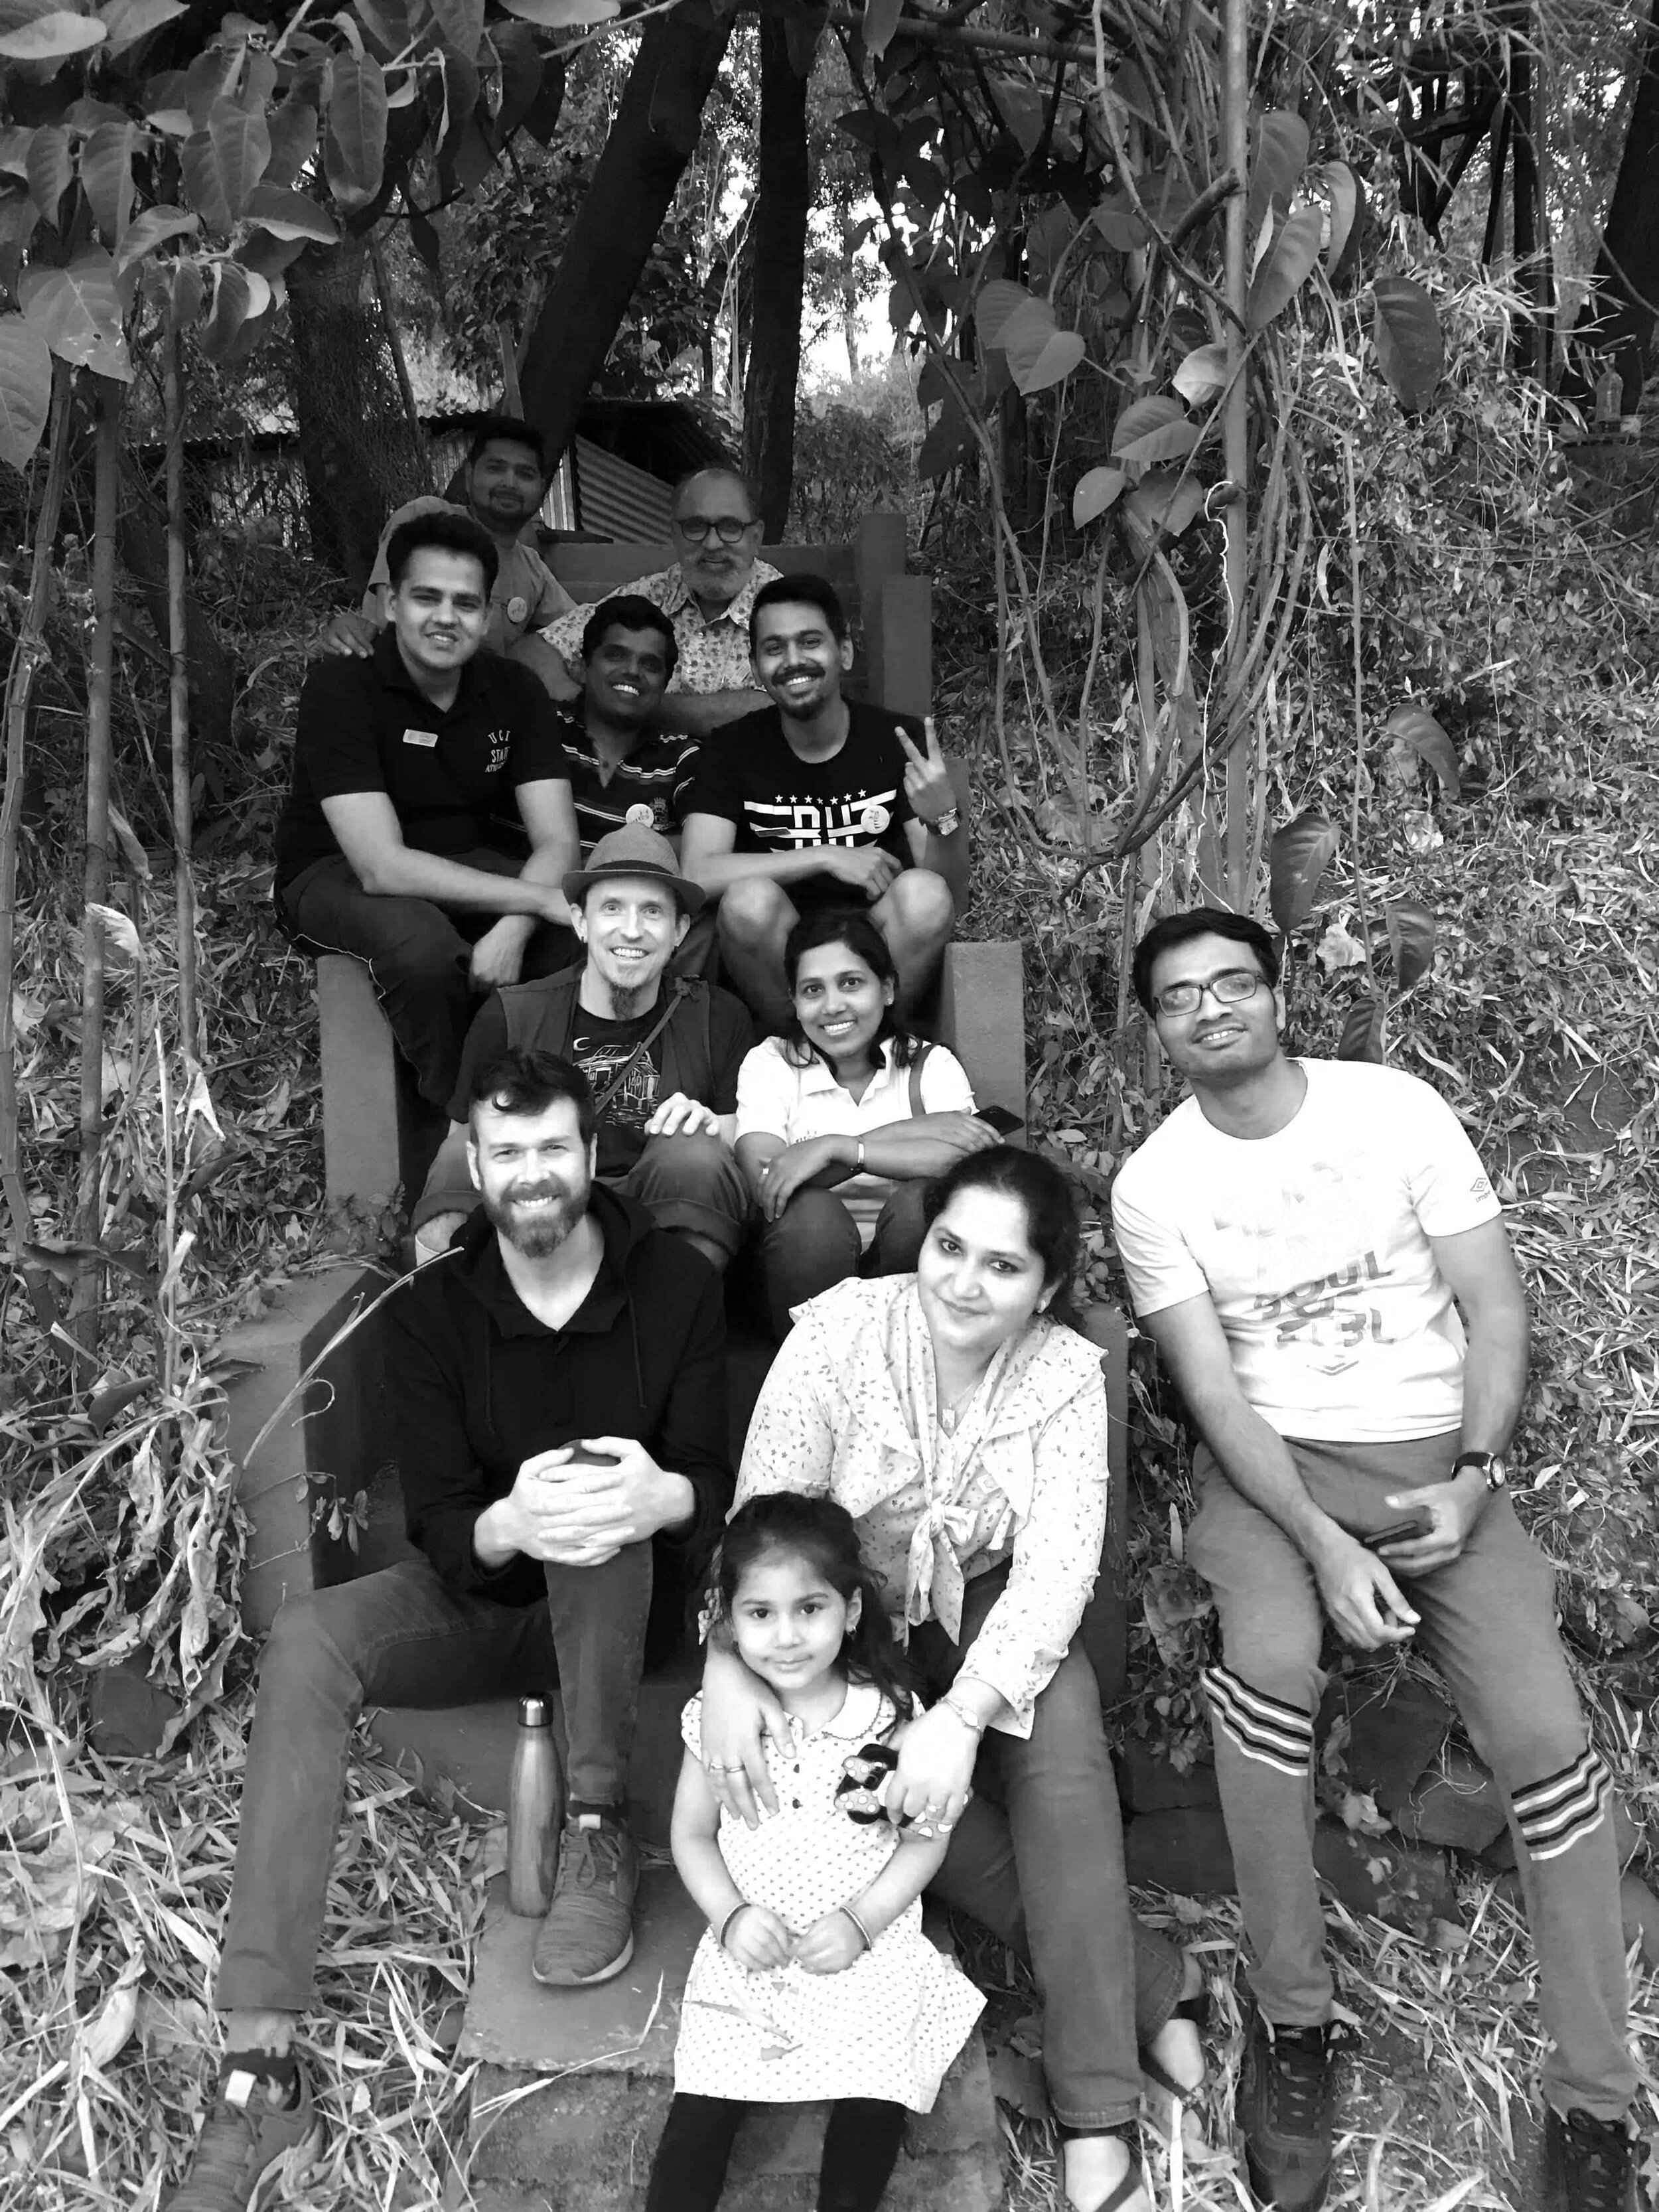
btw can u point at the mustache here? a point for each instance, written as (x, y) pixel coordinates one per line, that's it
(788, 675)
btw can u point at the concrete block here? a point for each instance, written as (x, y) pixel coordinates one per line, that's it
(130, 1713)
(981, 1017)
(360, 1085)
(326, 1437)
(1147, 1783)
(898, 643)
(1397, 1726)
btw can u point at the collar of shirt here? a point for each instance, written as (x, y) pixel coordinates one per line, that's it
(677, 600)
(856, 1722)
(389, 667)
(818, 1075)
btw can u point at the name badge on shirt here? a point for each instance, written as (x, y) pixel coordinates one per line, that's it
(641, 816)
(427, 738)
(874, 819)
(517, 608)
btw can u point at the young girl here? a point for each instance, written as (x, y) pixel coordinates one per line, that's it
(814, 1979)
(842, 1119)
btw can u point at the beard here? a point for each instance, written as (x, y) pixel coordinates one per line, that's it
(540, 1233)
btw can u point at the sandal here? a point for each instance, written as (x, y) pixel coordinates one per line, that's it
(1195, 2009)
(1133, 2180)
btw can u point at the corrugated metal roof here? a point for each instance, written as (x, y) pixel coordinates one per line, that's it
(617, 500)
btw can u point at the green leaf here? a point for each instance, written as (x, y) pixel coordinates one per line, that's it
(461, 22)
(354, 147)
(1117, 221)
(1039, 353)
(1411, 940)
(946, 443)
(292, 141)
(1278, 157)
(1409, 350)
(289, 216)
(231, 300)
(106, 176)
(1153, 429)
(1364, 1033)
(77, 311)
(129, 21)
(880, 21)
(153, 229)
(1415, 726)
(522, 75)
(50, 169)
(24, 388)
(52, 36)
(1286, 267)
(1162, 505)
(996, 304)
(1096, 492)
(1346, 195)
(1298, 856)
(1202, 375)
(563, 15)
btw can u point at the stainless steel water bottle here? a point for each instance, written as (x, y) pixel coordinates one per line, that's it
(532, 1812)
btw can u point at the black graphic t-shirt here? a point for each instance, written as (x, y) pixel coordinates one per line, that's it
(750, 776)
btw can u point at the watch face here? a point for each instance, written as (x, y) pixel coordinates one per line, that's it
(1498, 1473)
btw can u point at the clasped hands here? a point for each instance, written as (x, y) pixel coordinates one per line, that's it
(581, 1515)
(758, 1940)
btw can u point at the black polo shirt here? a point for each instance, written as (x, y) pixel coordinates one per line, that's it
(364, 726)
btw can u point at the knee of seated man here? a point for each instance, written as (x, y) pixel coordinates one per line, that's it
(301, 1643)
(689, 1158)
(922, 902)
(754, 907)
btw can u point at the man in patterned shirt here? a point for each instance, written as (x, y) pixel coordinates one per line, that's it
(714, 523)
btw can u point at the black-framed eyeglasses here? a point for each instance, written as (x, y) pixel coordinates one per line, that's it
(1229, 988)
(699, 528)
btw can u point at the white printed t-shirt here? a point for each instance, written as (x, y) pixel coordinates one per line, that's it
(1313, 1246)
(776, 1099)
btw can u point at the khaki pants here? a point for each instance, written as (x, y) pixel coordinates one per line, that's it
(1488, 1621)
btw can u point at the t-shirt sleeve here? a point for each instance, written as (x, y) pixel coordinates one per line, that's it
(486, 1041)
(1160, 1265)
(334, 730)
(767, 1092)
(944, 1085)
(686, 771)
(551, 599)
(731, 1036)
(537, 755)
(1450, 1191)
(380, 576)
(715, 788)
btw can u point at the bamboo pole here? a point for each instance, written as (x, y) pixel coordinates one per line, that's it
(1236, 433)
(395, 343)
(184, 881)
(100, 670)
(26, 655)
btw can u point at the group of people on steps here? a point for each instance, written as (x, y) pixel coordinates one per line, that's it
(894, 1598)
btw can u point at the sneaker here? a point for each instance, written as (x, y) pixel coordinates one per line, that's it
(588, 1933)
(247, 2138)
(1283, 2110)
(1590, 2164)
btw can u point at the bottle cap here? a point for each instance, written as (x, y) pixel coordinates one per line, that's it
(535, 1713)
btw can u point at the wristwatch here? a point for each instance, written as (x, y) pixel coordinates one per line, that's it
(1492, 1465)
(948, 824)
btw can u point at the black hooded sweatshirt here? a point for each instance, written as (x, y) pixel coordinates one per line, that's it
(476, 1385)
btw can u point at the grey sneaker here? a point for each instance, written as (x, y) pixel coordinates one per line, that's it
(246, 2140)
(588, 1933)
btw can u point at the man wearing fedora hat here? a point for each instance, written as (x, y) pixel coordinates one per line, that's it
(662, 1053)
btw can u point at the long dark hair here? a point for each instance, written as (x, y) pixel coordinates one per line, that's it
(1053, 1227)
(823, 1533)
(837, 924)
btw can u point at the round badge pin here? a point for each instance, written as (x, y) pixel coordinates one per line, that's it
(641, 816)
(517, 609)
(873, 820)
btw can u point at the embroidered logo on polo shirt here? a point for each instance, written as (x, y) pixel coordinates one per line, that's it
(427, 738)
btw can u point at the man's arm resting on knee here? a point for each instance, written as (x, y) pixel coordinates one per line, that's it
(708, 858)
(549, 814)
(1353, 1582)
(366, 827)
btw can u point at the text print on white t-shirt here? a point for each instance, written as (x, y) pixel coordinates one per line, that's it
(799, 823)
(1318, 1313)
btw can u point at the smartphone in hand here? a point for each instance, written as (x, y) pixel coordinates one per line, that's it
(999, 1118)
(1398, 1531)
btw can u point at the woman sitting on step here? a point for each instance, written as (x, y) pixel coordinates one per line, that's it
(963, 1424)
(841, 1119)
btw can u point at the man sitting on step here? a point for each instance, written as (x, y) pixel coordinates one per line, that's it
(557, 1383)
(662, 1053)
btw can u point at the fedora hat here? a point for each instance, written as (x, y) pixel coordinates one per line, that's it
(634, 851)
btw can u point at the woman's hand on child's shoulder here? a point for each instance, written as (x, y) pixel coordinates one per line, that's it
(829, 1945)
(757, 1939)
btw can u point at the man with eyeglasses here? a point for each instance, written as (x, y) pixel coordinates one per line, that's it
(1316, 1250)
(714, 524)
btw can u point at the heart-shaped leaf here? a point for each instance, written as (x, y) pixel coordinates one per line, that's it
(1154, 430)
(293, 143)
(1415, 726)
(24, 388)
(47, 161)
(461, 22)
(1202, 375)
(1298, 856)
(1286, 267)
(945, 444)
(1095, 493)
(77, 311)
(106, 176)
(153, 229)
(1279, 154)
(52, 36)
(1364, 1033)
(563, 15)
(354, 147)
(1116, 219)
(289, 215)
(998, 303)
(1053, 362)
(129, 21)
(1162, 505)
(1411, 940)
(1409, 350)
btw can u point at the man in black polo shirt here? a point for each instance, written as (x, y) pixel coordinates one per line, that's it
(398, 760)
(822, 800)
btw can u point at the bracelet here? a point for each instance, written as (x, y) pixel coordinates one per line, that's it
(859, 1925)
(725, 1924)
(968, 1719)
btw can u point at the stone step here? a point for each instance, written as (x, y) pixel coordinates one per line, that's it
(572, 2087)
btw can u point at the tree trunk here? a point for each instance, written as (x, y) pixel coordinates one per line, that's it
(658, 122)
(778, 246)
(141, 541)
(1532, 343)
(355, 442)
(1618, 315)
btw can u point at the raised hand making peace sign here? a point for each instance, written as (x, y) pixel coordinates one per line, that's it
(927, 779)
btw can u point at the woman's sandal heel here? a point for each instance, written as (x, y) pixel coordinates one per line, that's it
(1169, 2091)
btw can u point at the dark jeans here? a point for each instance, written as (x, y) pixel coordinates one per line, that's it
(814, 1244)
(400, 1638)
(417, 954)
(692, 1183)
(1038, 1859)
(860, 2149)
